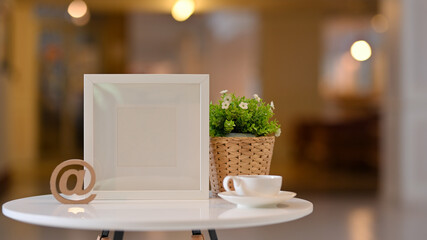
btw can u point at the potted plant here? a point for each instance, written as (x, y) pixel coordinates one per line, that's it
(242, 134)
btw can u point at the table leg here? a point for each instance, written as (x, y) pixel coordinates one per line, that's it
(212, 234)
(118, 235)
(104, 235)
(197, 235)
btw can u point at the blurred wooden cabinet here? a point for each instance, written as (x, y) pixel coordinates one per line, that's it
(349, 143)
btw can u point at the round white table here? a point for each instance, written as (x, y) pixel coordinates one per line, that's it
(150, 215)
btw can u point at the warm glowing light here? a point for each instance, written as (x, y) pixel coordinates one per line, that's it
(361, 50)
(76, 210)
(81, 21)
(77, 9)
(379, 23)
(182, 10)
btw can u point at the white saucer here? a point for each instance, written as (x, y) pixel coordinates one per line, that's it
(251, 201)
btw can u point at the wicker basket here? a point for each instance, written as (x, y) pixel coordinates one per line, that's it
(238, 156)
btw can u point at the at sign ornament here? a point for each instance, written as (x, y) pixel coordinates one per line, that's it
(78, 187)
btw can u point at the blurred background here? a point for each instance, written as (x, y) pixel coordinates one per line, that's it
(347, 78)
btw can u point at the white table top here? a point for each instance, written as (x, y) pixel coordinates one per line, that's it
(150, 215)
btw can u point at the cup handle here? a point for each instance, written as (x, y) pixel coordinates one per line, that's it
(225, 183)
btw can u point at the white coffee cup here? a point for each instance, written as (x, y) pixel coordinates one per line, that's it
(254, 185)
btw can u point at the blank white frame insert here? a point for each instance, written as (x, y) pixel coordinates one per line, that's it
(147, 135)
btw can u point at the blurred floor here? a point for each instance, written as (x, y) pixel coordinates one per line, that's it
(350, 215)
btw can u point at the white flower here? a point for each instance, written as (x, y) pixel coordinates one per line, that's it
(272, 105)
(278, 132)
(225, 105)
(227, 98)
(257, 97)
(223, 91)
(243, 105)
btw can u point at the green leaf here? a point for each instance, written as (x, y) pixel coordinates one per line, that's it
(257, 119)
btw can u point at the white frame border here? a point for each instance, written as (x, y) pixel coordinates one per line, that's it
(202, 80)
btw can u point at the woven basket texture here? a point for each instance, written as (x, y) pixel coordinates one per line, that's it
(238, 156)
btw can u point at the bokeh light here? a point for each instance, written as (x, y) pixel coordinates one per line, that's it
(361, 50)
(182, 10)
(77, 9)
(379, 23)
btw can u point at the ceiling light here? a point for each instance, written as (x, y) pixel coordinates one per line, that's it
(361, 50)
(182, 10)
(77, 9)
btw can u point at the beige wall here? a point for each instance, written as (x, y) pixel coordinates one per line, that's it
(3, 80)
(3, 153)
(290, 73)
(21, 113)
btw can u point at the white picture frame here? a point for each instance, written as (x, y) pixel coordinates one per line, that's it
(147, 135)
